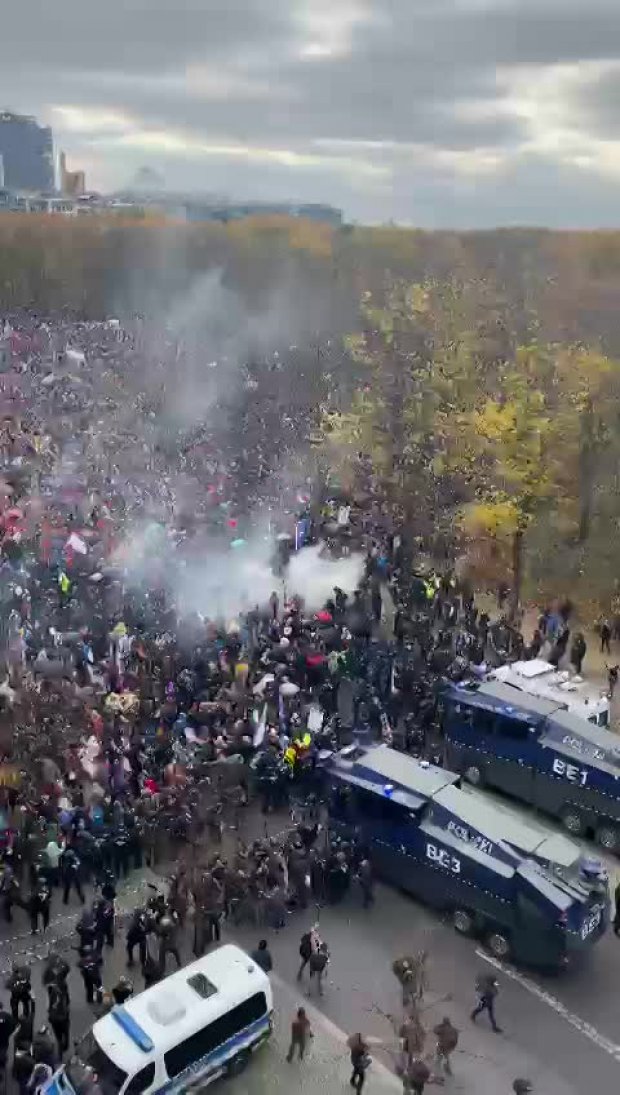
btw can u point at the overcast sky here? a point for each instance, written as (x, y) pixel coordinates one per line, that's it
(456, 113)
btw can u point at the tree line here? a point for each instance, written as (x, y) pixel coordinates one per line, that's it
(469, 380)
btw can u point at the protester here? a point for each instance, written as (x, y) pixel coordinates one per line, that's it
(262, 956)
(319, 960)
(447, 1041)
(487, 989)
(300, 1033)
(158, 697)
(360, 1061)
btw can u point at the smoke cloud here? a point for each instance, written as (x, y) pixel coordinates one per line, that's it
(222, 582)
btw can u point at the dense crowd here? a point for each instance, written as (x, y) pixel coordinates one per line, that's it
(136, 731)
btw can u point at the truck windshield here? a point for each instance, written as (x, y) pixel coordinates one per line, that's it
(93, 1062)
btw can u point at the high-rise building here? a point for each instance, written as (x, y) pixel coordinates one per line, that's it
(27, 152)
(72, 183)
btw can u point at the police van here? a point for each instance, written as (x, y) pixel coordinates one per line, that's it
(536, 751)
(198, 1024)
(527, 893)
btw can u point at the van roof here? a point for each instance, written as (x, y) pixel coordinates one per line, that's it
(413, 775)
(540, 678)
(179, 1005)
(522, 704)
(499, 822)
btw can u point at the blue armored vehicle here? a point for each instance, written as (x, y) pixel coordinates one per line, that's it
(536, 751)
(526, 892)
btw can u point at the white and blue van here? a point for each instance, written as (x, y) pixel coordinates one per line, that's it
(198, 1024)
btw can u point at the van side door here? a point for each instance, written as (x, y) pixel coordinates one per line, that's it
(513, 759)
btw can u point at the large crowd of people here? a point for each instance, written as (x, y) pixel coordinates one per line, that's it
(136, 731)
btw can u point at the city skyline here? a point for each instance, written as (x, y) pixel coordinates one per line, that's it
(452, 112)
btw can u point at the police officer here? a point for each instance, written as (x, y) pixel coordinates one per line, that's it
(19, 986)
(151, 970)
(120, 852)
(23, 1065)
(43, 1049)
(39, 904)
(168, 942)
(59, 1014)
(86, 929)
(71, 869)
(136, 936)
(108, 885)
(90, 967)
(104, 921)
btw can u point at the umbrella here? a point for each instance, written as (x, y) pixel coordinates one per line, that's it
(238, 543)
(324, 617)
(284, 536)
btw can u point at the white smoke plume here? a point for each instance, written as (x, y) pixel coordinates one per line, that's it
(313, 576)
(223, 582)
(230, 581)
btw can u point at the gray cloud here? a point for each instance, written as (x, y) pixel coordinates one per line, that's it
(391, 108)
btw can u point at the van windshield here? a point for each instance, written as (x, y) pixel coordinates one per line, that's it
(93, 1062)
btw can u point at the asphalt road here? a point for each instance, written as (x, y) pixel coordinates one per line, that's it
(564, 1032)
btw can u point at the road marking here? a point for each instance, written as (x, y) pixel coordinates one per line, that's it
(336, 1032)
(575, 1021)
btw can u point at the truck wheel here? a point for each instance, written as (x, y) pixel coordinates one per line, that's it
(462, 921)
(499, 946)
(238, 1063)
(474, 775)
(573, 821)
(608, 836)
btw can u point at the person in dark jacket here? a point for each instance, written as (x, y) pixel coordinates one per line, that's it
(136, 936)
(151, 970)
(262, 956)
(487, 989)
(39, 905)
(71, 871)
(309, 942)
(578, 652)
(319, 961)
(360, 1060)
(43, 1049)
(7, 1026)
(122, 990)
(447, 1040)
(90, 967)
(59, 1015)
(416, 1077)
(104, 921)
(23, 1065)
